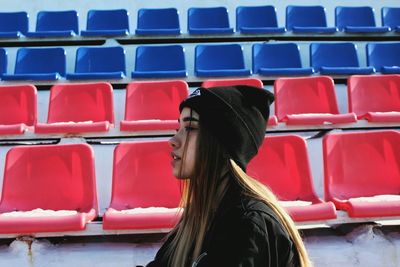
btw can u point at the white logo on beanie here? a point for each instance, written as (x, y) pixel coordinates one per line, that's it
(195, 93)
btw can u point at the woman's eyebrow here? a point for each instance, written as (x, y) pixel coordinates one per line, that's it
(189, 119)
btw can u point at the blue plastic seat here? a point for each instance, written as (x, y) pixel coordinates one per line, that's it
(208, 20)
(107, 23)
(384, 57)
(39, 64)
(391, 18)
(357, 19)
(160, 62)
(220, 61)
(307, 19)
(257, 19)
(336, 58)
(99, 63)
(56, 24)
(13, 24)
(158, 21)
(278, 59)
(3, 61)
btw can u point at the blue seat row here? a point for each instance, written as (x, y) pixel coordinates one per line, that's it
(205, 20)
(211, 60)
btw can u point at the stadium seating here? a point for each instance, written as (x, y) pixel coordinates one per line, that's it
(79, 108)
(56, 24)
(282, 164)
(99, 63)
(257, 19)
(143, 183)
(39, 64)
(375, 97)
(220, 60)
(18, 108)
(208, 20)
(13, 24)
(307, 19)
(158, 21)
(163, 61)
(357, 19)
(362, 172)
(54, 178)
(278, 59)
(3, 61)
(107, 23)
(153, 106)
(308, 101)
(336, 58)
(391, 18)
(384, 57)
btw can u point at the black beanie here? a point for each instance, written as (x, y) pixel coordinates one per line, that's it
(236, 115)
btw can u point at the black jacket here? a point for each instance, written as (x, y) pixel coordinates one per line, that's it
(245, 233)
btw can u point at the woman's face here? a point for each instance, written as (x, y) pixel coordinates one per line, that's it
(183, 168)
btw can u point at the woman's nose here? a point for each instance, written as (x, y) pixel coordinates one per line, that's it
(173, 141)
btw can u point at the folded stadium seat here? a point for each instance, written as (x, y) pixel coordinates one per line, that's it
(38, 64)
(308, 101)
(208, 20)
(391, 18)
(13, 24)
(384, 57)
(307, 19)
(375, 97)
(336, 59)
(153, 106)
(3, 61)
(362, 173)
(357, 19)
(278, 59)
(107, 23)
(79, 108)
(282, 164)
(99, 63)
(220, 61)
(158, 21)
(257, 19)
(56, 24)
(48, 188)
(145, 195)
(18, 108)
(161, 61)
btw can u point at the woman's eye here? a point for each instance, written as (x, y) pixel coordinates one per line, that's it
(189, 128)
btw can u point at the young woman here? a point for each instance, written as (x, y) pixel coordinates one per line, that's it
(229, 219)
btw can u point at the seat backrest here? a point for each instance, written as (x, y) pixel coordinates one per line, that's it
(383, 54)
(117, 19)
(282, 164)
(57, 21)
(158, 18)
(362, 16)
(3, 61)
(333, 55)
(154, 100)
(142, 176)
(280, 55)
(41, 60)
(361, 164)
(208, 17)
(160, 58)
(14, 21)
(305, 16)
(373, 93)
(304, 95)
(81, 102)
(100, 59)
(55, 177)
(18, 104)
(230, 82)
(391, 16)
(226, 56)
(256, 16)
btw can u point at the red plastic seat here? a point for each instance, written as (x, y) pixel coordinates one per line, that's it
(282, 164)
(50, 177)
(142, 178)
(229, 82)
(375, 97)
(308, 100)
(18, 111)
(79, 108)
(363, 164)
(152, 106)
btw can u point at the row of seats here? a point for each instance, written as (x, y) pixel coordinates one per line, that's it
(153, 106)
(168, 61)
(362, 177)
(205, 20)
